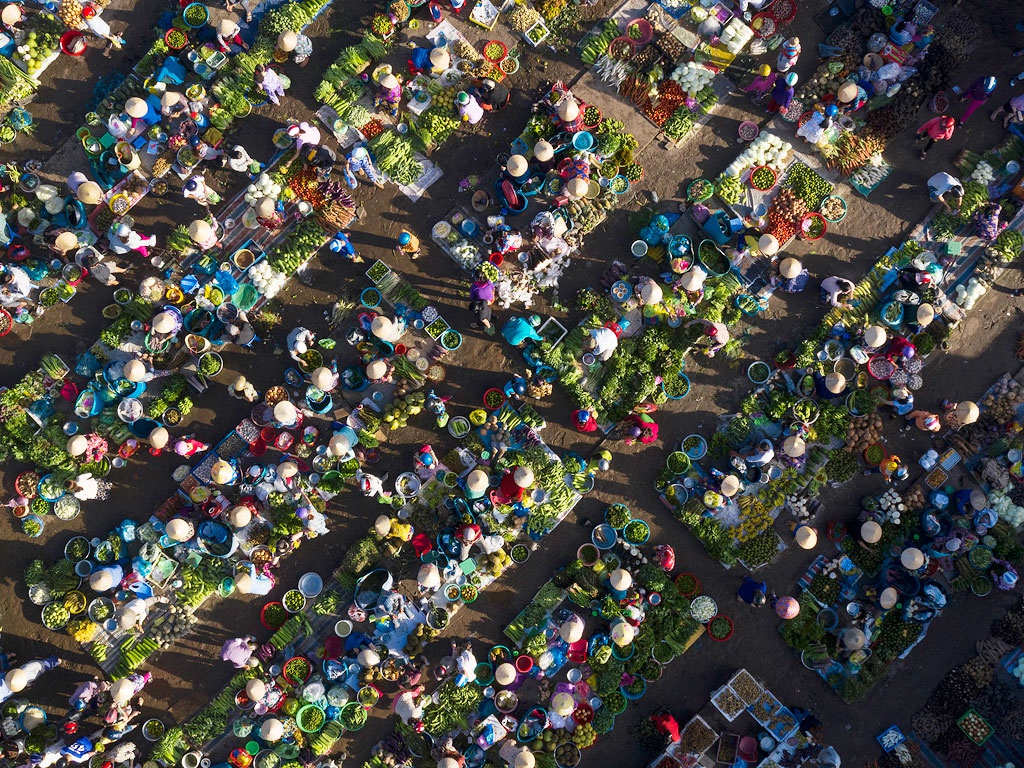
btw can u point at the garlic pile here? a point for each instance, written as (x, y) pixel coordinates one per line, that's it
(692, 77)
(983, 173)
(1006, 509)
(736, 35)
(798, 507)
(967, 296)
(266, 280)
(262, 187)
(766, 149)
(1018, 671)
(891, 505)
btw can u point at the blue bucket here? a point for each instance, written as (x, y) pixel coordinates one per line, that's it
(583, 141)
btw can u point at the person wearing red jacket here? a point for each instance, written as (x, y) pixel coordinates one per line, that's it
(937, 129)
(666, 724)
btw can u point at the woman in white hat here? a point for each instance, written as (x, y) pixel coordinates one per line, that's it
(543, 156)
(301, 46)
(173, 104)
(389, 93)
(228, 34)
(189, 446)
(793, 278)
(124, 239)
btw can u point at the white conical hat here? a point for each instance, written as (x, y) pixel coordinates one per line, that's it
(888, 598)
(287, 469)
(925, 314)
(170, 98)
(505, 674)
(287, 41)
(66, 241)
(128, 619)
(476, 481)
(200, 231)
(875, 336)
(835, 382)
(622, 633)
(179, 529)
(77, 445)
(571, 629)
(240, 516)
(966, 412)
(382, 327)
(523, 477)
(790, 268)
(543, 151)
(871, 532)
(255, 689)
(221, 472)
(368, 658)
(136, 107)
(620, 579)
(440, 58)
(568, 110)
(389, 81)
(11, 14)
(806, 537)
(158, 437)
(243, 583)
(164, 322)
(794, 446)
(266, 207)
(517, 165)
(135, 370)
(16, 680)
(382, 525)
(730, 485)
(854, 638)
(322, 378)
(376, 369)
(89, 192)
(284, 412)
(101, 580)
(428, 577)
(847, 91)
(122, 691)
(272, 730)
(768, 245)
(651, 293)
(562, 704)
(227, 28)
(577, 187)
(912, 558)
(339, 445)
(693, 279)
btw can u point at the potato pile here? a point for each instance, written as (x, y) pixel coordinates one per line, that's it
(788, 207)
(863, 431)
(1002, 401)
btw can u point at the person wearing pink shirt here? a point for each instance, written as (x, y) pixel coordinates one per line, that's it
(937, 129)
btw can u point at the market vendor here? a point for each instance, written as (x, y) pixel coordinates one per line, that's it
(173, 104)
(665, 723)
(517, 169)
(425, 460)
(379, 371)
(389, 94)
(359, 163)
(228, 34)
(789, 55)
(782, 93)
(601, 343)
(903, 31)
(305, 136)
(409, 705)
(468, 535)
(584, 419)
(297, 44)
(507, 240)
(902, 401)
(946, 189)
(543, 156)
(987, 225)
(831, 386)
(851, 97)
(11, 16)
(793, 277)
(123, 239)
(267, 214)
(188, 446)
(481, 297)
(716, 335)
(133, 614)
(267, 80)
(196, 188)
(469, 108)
(239, 161)
(299, 341)
(902, 348)
(836, 291)
(569, 116)
(518, 330)
(465, 663)
(515, 482)
(106, 578)
(925, 420)
(20, 678)
(762, 83)
(492, 96)
(254, 582)
(15, 287)
(758, 456)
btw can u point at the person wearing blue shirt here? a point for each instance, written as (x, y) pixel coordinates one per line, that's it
(518, 331)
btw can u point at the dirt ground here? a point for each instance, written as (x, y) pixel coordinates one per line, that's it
(189, 673)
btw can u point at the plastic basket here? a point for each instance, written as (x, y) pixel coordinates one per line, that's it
(775, 178)
(764, 25)
(699, 198)
(783, 11)
(807, 221)
(841, 216)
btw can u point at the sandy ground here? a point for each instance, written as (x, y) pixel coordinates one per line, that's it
(188, 674)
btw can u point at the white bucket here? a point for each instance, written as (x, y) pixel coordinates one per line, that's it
(638, 249)
(343, 628)
(191, 760)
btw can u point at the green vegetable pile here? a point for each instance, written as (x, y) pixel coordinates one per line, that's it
(760, 549)
(808, 185)
(679, 125)
(394, 156)
(1008, 245)
(842, 466)
(617, 515)
(597, 45)
(729, 188)
(298, 246)
(439, 123)
(453, 705)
